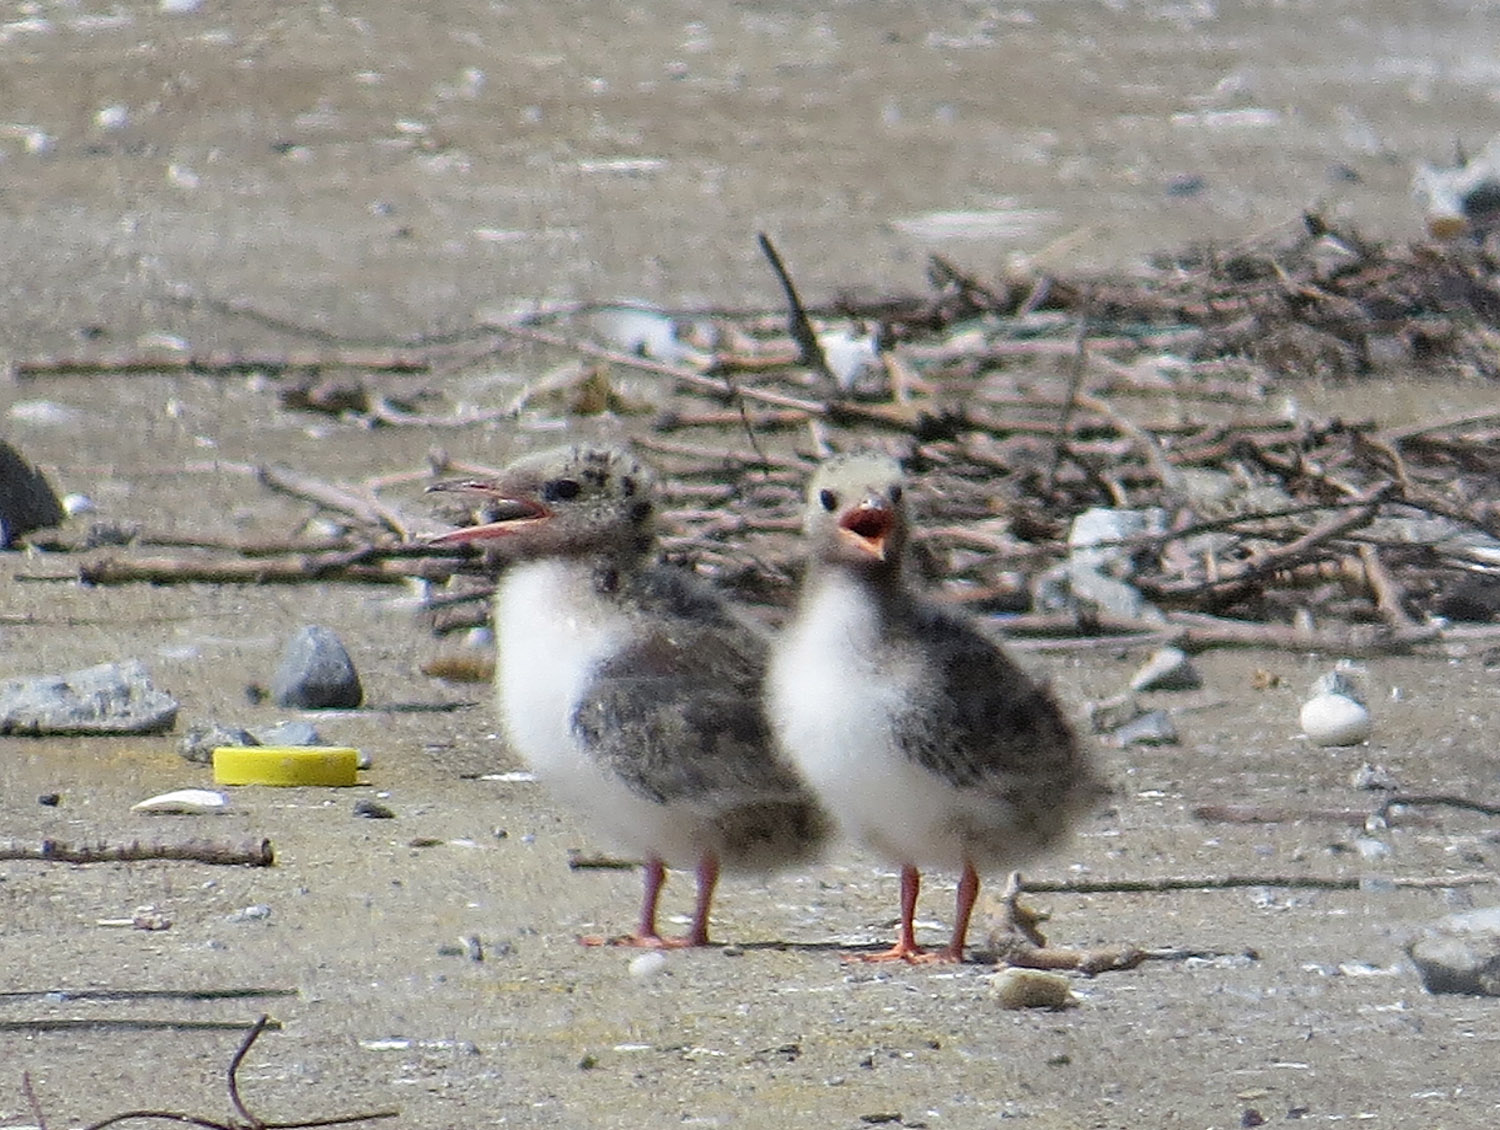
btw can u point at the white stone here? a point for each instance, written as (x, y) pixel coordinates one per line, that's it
(1335, 720)
(647, 965)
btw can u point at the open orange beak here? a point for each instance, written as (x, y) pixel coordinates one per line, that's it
(867, 527)
(509, 514)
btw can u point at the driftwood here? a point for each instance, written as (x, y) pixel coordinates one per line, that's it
(1017, 403)
(197, 851)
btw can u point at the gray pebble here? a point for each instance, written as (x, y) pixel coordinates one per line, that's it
(287, 733)
(202, 738)
(1109, 714)
(373, 810)
(316, 673)
(1461, 953)
(113, 698)
(1155, 727)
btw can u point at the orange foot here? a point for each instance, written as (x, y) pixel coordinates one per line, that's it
(912, 955)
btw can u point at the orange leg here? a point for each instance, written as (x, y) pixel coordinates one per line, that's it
(646, 935)
(968, 891)
(906, 948)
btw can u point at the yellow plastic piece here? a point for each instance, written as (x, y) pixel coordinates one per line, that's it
(285, 765)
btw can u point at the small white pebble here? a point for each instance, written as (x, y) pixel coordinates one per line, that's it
(110, 118)
(1333, 720)
(76, 504)
(647, 965)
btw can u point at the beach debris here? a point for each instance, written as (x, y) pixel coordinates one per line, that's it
(645, 966)
(112, 698)
(1109, 714)
(1017, 988)
(27, 500)
(1460, 953)
(316, 673)
(1335, 714)
(184, 802)
(1168, 669)
(333, 766)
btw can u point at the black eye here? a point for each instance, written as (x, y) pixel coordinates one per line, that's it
(560, 490)
(828, 500)
(896, 493)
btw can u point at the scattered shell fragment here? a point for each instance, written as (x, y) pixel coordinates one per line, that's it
(1168, 669)
(1031, 988)
(185, 802)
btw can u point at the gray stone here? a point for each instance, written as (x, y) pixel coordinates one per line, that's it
(1108, 714)
(27, 500)
(1098, 564)
(1169, 669)
(294, 732)
(316, 673)
(113, 698)
(1460, 953)
(1155, 727)
(202, 738)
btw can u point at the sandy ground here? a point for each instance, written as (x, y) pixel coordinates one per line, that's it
(259, 165)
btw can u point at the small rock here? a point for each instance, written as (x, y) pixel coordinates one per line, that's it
(202, 738)
(1109, 714)
(1346, 679)
(184, 802)
(316, 673)
(1169, 669)
(1373, 778)
(27, 500)
(49, 800)
(1155, 727)
(287, 733)
(647, 965)
(373, 810)
(113, 698)
(1460, 953)
(1031, 988)
(1334, 720)
(256, 913)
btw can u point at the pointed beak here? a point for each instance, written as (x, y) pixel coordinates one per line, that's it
(867, 527)
(509, 514)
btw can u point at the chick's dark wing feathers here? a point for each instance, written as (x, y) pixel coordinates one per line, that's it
(676, 713)
(976, 715)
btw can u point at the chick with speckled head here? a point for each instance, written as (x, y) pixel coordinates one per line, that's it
(628, 686)
(922, 738)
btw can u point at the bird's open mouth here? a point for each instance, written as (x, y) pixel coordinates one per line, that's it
(867, 527)
(507, 515)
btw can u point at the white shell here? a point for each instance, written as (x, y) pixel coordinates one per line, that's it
(1333, 719)
(192, 802)
(647, 965)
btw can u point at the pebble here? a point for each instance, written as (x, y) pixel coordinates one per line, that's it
(184, 802)
(112, 698)
(1109, 714)
(202, 738)
(1335, 720)
(294, 732)
(1374, 778)
(650, 964)
(1031, 988)
(316, 672)
(49, 800)
(1155, 727)
(1460, 953)
(1169, 669)
(258, 912)
(373, 810)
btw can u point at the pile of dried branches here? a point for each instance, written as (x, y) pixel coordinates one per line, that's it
(1017, 406)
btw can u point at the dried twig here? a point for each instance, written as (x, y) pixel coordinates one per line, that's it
(195, 851)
